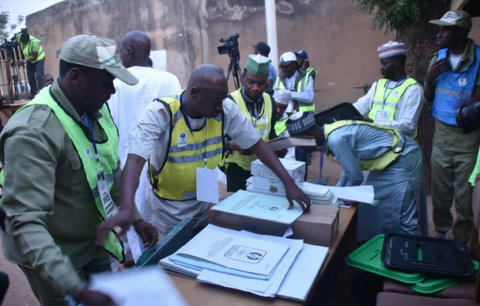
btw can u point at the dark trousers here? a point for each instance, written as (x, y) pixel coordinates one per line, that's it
(236, 178)
(3, 285)
(35, 76)
(303, 154)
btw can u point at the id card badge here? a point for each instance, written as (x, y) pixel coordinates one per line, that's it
(207, 185)
(105, 197)
(264, 120)
(381, 116)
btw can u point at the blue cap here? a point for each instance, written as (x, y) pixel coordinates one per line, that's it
(302, 53)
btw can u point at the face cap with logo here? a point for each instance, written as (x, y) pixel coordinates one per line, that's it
(95, 52)
(287, 58)
(457, 18)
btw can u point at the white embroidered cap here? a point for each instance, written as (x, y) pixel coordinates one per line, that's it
(391, 48)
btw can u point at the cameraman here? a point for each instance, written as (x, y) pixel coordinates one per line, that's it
(34, 58)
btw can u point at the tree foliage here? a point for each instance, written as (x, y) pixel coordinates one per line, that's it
(3, 26)
(395, 14)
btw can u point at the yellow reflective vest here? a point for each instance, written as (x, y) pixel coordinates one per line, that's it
(187, 150)
(388, 98)
(281, 125)
(263, 124)
(299, 87)
(310, 71)
(376, 164)
(27, 48)
(107, 152)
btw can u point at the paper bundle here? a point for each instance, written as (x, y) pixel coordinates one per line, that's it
(318, 194)
(261, 264)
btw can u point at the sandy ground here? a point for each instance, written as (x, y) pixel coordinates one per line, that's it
(19, 293)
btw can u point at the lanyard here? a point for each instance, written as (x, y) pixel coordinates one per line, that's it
(254, 123)
(185, 115)
(89, 124)
(187, 121)
(385, 95)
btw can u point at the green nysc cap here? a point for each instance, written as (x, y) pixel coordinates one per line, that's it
(457, 18)
(95, 52)
(257, 64)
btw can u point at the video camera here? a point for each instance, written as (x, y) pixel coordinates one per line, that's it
(9, 47)
(468, 117)
(230, 47)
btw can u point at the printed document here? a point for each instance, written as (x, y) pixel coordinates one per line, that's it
(362, 193)
(147, 287)
(267, 288)
(304, 271)
(260, 206)
(229, 249)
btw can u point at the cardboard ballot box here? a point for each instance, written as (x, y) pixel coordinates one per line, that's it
(318, 226)
(296, 169)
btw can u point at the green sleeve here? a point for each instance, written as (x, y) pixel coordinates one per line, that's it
(475, 172)
(35, 46)
(30, 159)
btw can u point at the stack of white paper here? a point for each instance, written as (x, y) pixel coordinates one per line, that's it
(296, 169)
(260, 264)
(318, 194)
(260, 206)
(226, 251)
(362, 194)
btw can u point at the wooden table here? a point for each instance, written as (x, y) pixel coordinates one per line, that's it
(331, 274)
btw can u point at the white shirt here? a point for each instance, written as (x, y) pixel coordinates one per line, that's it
(150, 140)
(455, 61)
(408, 108)
(128, 102)
(126, 106)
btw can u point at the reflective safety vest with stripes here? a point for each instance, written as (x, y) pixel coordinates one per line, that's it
(281, 125)
(263, 125)
(27, 48)
(107, 152)
(299, 87)
(388, 98)
(376, 164)
(453, 88)
(187, 150)
(311, 72)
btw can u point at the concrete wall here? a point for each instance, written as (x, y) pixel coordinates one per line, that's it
(338, 38)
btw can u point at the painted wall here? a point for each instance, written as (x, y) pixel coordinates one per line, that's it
(339, 39)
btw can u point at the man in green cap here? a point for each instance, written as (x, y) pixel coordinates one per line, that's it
(61, 177)
(260, 111)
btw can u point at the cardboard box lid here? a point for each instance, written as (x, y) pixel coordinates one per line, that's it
(327, 211)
